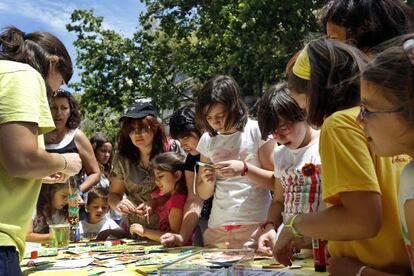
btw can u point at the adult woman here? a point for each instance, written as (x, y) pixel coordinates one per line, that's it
(32, 67)
(68, 138)
(140, 138)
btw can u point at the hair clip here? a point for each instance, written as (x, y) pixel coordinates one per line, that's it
(408, 47)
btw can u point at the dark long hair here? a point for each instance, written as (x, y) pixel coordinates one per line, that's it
(334, 84)
(128, 150)
(393, 71)
(97, 141)
(368, 22)
(172, 162)
(74, 117)
(182, 123)
(35, 49)
(226, 91)
(97, 192)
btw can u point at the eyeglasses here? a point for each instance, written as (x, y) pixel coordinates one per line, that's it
(140, 130)
(364, 112)
(284, 129)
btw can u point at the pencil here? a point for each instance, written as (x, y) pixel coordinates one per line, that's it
(148, 220)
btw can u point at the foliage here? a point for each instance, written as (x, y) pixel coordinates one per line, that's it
(180, 45)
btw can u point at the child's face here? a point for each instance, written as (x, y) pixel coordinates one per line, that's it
(336, 32)
(60, 198)
(189, 143)
(166, 180)
(60, 111)
(97, 209)
(387, 132)
(216, 118)
(291, 134)
(103, 153)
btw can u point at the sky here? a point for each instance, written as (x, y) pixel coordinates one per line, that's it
(53, 15)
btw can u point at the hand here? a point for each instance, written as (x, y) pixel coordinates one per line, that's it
(208, 175)
(138, 229)
(267, 242)
(343, 266)
(126, 207)
(171, 239)
(284, 247)
(55, 178)
(230, 168)
(103, 235)
(73, 164)
(144, 210)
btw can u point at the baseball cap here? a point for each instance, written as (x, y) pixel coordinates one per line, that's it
(140, 110)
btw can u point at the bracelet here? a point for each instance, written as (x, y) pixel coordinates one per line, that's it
(66, 162)
(292, 228)
(362, 268)
(245, 169)
(263, 226)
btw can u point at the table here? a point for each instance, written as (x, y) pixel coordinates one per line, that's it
(140, 258)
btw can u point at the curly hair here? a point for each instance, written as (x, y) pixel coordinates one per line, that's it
(74, 117)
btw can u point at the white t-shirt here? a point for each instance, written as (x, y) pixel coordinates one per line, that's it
(89, 230)
(302, 193)
(406, 193)
(237, 200)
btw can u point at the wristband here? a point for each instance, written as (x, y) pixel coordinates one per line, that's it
(362, 268)
(66, 162)
(245, 169)
(263, 226)
(292, 228)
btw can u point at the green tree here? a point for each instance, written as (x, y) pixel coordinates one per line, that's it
(183, 43)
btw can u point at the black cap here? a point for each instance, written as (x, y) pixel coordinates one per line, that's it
(140, 110)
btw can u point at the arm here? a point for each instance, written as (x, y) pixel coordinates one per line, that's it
(89, 162)
(36, 237)
(117, 233)
(115, 200)
(266, 154)
(206, 180)
(345, 266)
(21, 156)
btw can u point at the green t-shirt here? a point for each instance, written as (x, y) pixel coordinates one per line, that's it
(23, 99)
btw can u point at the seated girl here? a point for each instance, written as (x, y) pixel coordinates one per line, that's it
(169, 178)
(98, 225)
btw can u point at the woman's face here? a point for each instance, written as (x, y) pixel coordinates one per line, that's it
(103, 153)
(386, 130)
(60, 111)
(141, 135)
(60, 198)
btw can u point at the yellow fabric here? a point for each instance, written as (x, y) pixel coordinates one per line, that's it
(23, 98)
(348, 164)
(301, 68)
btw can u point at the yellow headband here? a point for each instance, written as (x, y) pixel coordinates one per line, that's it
(302, 65)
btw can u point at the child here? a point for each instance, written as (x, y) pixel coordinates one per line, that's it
(102, 147)
(169, 178)
(358, 186)
(297, 162)
(387, 108)
(98, 225)
(183, 128)
(231, 142)
(51, 208)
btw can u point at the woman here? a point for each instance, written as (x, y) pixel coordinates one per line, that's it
(68, 138)
(140, 138)
(32, 67)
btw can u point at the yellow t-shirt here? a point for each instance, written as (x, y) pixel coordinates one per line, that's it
(23, 99)
(349, 164)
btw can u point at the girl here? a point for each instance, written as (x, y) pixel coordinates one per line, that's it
(297, 162)
(183, 128)
(51, 208)
(32, 67)
(230, 142)
(387, 116)
(102, 148)
(358, 186)
(68, 138)
(98, 225)
(140, 138)
(169, 178)
(365, 23)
